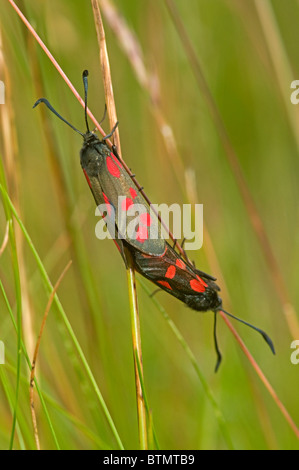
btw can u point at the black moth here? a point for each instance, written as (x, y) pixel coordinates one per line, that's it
(154, 259)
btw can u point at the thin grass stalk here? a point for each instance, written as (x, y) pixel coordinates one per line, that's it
(106, 72)
(33, 364)
(8, 392)
(15, 264)
(18, 294)
(137, 352)
(5, 239)
(151, 434)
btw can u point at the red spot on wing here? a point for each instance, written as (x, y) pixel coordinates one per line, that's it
(112, 167)
(180, 264)
(87, 179)
(141, 234)
(126, 203)
(145, 219)
(170, 273)
(133, 193)
(200, 280)
(197, 286)
(165, 284)
(116, 160)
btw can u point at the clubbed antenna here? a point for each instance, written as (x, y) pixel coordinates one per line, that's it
(85, 83)
(46, 102)
(262, 332)
(219, 356)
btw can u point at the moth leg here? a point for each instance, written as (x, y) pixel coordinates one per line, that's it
(120, 247)
(115, 152)
(155, 292)
(111, 133)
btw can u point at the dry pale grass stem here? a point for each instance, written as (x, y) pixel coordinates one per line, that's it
(33, 364)
(135, 322)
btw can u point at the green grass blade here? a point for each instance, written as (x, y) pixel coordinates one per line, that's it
(67, 324)
(16, 273)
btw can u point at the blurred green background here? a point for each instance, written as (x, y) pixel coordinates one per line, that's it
(248, 52)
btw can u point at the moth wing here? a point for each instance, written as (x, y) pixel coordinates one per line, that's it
(172, 273)
(143, 231)
(105, 210)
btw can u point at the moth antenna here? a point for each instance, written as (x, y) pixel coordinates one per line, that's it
(262, 332)
(103, 118)
(85, 83)
(219, 355)
(185, 254)
(112, 132)
(155, 292)
(46, 102)
(104, 115)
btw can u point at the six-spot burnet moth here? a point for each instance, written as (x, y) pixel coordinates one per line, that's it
(153, 258)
